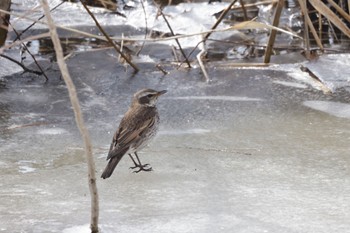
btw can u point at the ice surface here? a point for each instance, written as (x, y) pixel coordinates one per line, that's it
(225, 98)
(333, 108)
(253, 151)
(291, 84)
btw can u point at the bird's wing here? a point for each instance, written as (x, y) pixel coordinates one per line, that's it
(124, 137)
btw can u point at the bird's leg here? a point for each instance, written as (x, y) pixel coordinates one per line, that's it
(133, 160)
(140, 165)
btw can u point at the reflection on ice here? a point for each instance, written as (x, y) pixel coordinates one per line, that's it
(25, 166)
(333, 108)
(291, 84)
(187, 131)
(78, 229)
(52, 131)
(224, 98)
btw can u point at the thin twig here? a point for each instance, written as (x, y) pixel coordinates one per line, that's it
(20, 34)
(34, 59)
(30, 38)
(108, 38)
(78, 118)
(221, 17)
(173, 34)
(146, 29)
(333, 31)
(25, 69)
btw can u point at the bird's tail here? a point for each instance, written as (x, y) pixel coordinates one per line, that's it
(112, 164)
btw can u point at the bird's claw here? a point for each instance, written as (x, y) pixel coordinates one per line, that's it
(142, 168)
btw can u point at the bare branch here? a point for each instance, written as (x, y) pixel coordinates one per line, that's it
(25, 69)
(109, 39)
(177, 41)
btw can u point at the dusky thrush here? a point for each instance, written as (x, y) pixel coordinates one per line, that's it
(138, 126)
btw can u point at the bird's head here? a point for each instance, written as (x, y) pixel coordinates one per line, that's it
(147, 97)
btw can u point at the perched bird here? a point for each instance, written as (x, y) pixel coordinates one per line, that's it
(138, 126)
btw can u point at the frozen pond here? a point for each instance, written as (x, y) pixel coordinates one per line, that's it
(255, 150)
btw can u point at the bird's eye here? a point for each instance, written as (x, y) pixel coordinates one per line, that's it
(149, 95)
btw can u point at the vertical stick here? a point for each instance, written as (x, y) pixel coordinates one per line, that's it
(306, 29)
(272, 38)
(244, 10)
(78, 118)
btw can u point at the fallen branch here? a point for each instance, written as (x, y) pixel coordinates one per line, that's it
(159, 67)
(324, 87)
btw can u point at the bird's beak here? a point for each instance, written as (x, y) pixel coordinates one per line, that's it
(161, 92)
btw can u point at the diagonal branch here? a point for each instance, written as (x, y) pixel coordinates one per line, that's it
(108, 38)
(18, 37)
(34, 59)
(221, 17)
(177, 41)
(25, 69)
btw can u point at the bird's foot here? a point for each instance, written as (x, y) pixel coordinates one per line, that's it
(142, 167)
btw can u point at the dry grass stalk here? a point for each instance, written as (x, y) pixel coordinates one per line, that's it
(78, 118)
(340, 10)
(201, 65)
(330, 15)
